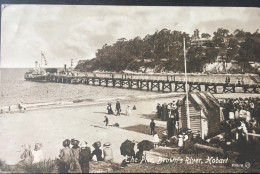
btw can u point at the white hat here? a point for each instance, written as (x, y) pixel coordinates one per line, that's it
(107, 144)
(83, 143)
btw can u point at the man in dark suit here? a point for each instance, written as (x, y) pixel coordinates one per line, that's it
(158, 108)
(152, 126)
(175, 117)
(118, 108)
(84, 157)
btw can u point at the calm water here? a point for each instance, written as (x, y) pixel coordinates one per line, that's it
(14, 89)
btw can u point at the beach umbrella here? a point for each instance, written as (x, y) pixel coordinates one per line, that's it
(145, 145)
(127, 148)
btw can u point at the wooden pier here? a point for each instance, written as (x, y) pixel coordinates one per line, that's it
(166, 83)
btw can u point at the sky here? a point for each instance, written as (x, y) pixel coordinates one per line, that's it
(65, 32)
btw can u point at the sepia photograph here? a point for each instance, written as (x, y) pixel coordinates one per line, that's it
(98, 88)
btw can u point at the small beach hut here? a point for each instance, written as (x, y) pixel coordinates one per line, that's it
(204, 112)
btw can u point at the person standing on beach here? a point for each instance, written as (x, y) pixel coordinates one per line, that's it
(106, 120)
(108, 153)
(158, 108)
(97, 152)
(20, 106)
(109, 109)
(37, 153)
(128, 111)
(65, 156)
(74, 153)
(175, 115)
(165, 112)
(162, 111)
(118, 108)
(84, 157)
(152, 126)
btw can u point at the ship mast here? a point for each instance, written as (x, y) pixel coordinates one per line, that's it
(71, 63)
(186, 86)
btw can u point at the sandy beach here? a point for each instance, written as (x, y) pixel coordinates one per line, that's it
(51, 126)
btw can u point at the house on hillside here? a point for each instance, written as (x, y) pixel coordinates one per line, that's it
(196, 40)
(204, 112)
(199, 42)
(82, 62)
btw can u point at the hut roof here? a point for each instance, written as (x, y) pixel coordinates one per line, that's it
(203, 100)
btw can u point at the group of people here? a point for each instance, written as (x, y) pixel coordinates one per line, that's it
(173, 136)
(183, 140)
(169, 112)
(21, 107)
(166, 111)
(76, 159)
(241, 115)
(29, 157)
(239, 81)
(118, 109)
(73, 158)
(248, 108)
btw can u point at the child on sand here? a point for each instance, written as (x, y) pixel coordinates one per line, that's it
(164, 139)
(106, 120)
(156, 139)
(180, 139)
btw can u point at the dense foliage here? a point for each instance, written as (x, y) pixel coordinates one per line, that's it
(163, 51)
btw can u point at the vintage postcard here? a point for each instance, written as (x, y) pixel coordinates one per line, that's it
(123, 89)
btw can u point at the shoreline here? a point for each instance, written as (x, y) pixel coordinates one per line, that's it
(84, 102)
(64, 104)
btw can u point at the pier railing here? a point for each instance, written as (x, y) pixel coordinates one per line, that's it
(162, 82)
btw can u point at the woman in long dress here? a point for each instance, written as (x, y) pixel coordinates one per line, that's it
(128, 111)
(74, 153)
(65, 156)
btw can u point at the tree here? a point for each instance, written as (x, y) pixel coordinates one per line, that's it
(232, 52)
(196, 59)
(205, 35)
(219, 37)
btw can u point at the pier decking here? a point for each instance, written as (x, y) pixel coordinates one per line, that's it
(163, 83)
